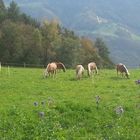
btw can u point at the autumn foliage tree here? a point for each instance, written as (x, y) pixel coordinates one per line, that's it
(25, 40)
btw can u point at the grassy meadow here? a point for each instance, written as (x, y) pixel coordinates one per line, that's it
(62, 108)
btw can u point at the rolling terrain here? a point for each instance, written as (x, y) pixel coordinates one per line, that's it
(117, 22)
(63, 108)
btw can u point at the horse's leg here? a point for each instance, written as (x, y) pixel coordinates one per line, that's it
(54, 73)
(96, 70)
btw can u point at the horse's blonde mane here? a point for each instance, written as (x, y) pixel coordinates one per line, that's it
(126, 70)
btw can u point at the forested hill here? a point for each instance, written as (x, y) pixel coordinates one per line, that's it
(25, 40)
(116, 21)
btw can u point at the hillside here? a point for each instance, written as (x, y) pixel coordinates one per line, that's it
(115, 21)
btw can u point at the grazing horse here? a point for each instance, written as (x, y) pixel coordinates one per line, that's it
(122, 69)
(61, 66)
(92, 68)
(79, 71)
(51, 69)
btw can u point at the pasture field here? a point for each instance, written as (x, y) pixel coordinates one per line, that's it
(62, 108)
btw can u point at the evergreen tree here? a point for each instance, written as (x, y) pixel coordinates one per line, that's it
(13, 11)
(2, 11)
(103, 53)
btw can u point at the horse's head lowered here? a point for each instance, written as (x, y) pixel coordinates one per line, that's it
(60, 66)
(122, 69)
(51, 69)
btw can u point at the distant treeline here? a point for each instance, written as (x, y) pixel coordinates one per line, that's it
(25, 40)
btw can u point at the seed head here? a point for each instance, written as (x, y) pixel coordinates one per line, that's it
(97, 98)
(41, 114)
(119, 110)
(35, 103)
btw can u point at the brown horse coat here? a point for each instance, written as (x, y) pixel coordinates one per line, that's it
(122, 69)
(61, 66)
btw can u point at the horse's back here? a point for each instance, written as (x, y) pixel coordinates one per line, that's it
(51, 67)
(121, 67)
(79, 71)
(79, 68)
(92, 65)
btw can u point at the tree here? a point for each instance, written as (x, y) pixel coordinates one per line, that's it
(88, 52)
(67, 53)
(2, 11)
(29, 44)
(51, 40)
(13, 11)
(103, 52)
(8, 41)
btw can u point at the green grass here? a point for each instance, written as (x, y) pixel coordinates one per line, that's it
(70, 108)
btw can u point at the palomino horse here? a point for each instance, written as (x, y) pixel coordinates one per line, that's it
(122, 69)
(92, 68)
(79, 71)
(52, 68)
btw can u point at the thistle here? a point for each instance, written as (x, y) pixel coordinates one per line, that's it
(97, 98)
(43, 102)
(137, 82)
(35, 103)
(119, 110)
(50, 101)
(41, 114)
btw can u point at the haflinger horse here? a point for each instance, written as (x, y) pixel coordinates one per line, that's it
(52, 67)
(92, 68)
(122, 69)
(79, 71)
